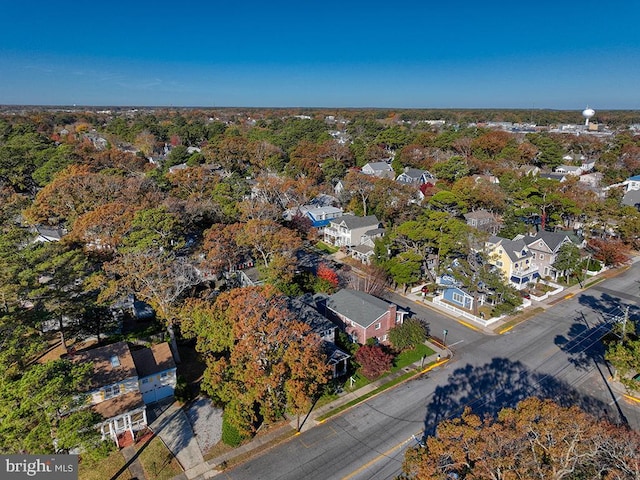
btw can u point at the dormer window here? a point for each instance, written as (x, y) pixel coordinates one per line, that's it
(115, 361)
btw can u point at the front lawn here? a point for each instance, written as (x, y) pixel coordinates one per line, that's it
(106, 468)
(408, 357)
(158, 462)
(325, 247)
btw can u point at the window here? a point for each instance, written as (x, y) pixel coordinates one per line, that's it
(164, 378)
(145, 380)
(541, 257)
(111, 391)
(498, 263)
(115, 361)
(137, 417)
(378, 326)
(458, 297)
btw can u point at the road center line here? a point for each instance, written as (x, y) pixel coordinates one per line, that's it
(379, 457)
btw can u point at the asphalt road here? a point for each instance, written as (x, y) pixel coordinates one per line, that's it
(556, 355)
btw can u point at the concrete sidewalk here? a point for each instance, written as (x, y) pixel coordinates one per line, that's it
(213, 466)
(173, 427)
(494, 328)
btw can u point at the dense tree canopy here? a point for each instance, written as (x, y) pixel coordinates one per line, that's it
(261, 360)
(537, 439)
(172, 237)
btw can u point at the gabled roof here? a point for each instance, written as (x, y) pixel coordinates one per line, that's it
(360, 307)
(553, 240)
(567, 168)
(479, 215)
(353, 221)
(380, 166)
(120, 404)
(54, 233)
(414, 174)
(554, 176)
(513, 248)
(105, 371)
(304, 309)
(149, 361)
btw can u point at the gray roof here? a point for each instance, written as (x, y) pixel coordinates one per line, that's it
(375, 232)
(631, 198)
(360, 307)
(479, 214)
(363, 249)
(514, 248)
(304, 309)
(553, 176)
(353, 221)
(414, 173)
(50, 232)
(380, 166)
(552, 239)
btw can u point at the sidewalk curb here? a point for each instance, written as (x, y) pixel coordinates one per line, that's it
(255, 444)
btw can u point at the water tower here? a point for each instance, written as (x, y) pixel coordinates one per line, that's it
(587, 113)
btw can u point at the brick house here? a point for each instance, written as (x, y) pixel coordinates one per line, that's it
(363, 316)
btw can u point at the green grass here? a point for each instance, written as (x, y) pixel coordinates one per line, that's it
(381, 388)
(597, 280)
(360, 381)
(158, 462)
(408, 357)
(104, 469)
(325, 247)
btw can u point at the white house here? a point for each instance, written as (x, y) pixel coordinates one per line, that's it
(569, 170)
(415, 176)
(378, 169)
(348, 230)
(320, 216)
(632, 183)
(156, 372)
(49, 234)
(115, 391)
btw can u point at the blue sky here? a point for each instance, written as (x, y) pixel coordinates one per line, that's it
(403, 54)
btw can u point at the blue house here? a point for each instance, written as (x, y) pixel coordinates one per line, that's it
(458, 297)
(320, 216)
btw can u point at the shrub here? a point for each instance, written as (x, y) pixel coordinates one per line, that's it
(410, 333)
(230, 434)
(182, 391)
(373, 360)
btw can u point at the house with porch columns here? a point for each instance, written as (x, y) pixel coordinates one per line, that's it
(115, 390)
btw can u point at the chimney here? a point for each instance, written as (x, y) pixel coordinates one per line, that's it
(392, 312)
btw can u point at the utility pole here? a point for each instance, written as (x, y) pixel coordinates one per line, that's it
(624, 324)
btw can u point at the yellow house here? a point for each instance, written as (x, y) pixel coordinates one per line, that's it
(514, 259)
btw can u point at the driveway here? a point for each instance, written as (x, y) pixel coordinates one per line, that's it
(175, 430)
(206, 421)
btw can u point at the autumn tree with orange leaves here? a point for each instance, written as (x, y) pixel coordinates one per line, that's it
(536, 440)
(261, 360)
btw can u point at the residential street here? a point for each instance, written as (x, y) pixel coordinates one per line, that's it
(556, 355)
